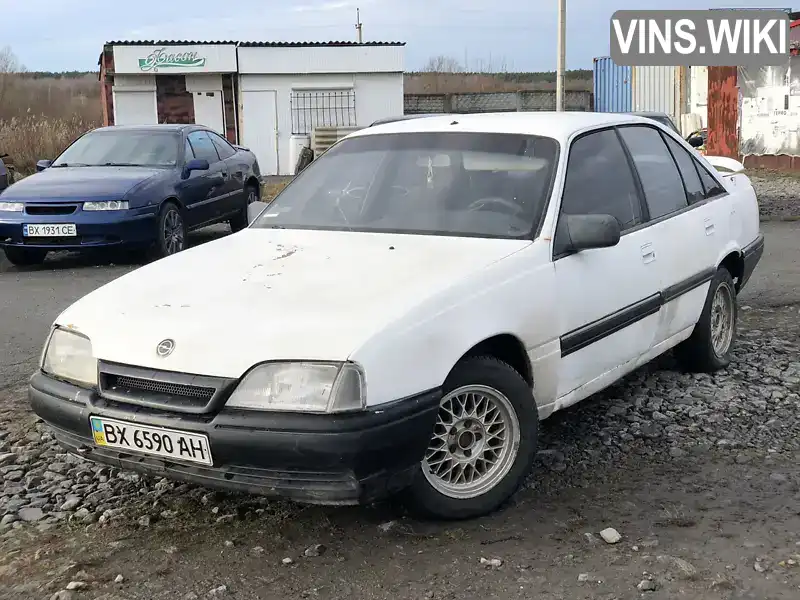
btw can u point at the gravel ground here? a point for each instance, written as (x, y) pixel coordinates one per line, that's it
(698, 474)
(778, 194)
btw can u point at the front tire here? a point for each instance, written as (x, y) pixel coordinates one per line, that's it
(25, 257)
(171, 231)
(241, 220)
(709, 347)
(483, 445)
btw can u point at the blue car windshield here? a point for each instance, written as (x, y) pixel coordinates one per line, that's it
(122, 148)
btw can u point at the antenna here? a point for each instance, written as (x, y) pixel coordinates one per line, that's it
(358, 25)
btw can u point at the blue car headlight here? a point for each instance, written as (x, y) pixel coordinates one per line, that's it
(106, 205)
(11, 206)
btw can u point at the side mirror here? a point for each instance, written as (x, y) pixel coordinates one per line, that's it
(695, 140)
(43, 164)
(584, 232)
(196, 164)
(254, 209)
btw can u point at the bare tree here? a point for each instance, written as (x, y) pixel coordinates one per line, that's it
(443, 64)
(10, 68)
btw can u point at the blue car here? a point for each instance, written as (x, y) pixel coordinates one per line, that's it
(138, 187)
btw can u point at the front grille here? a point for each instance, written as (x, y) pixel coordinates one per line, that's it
(50, 209)
(122, 383)
(53, 241)
(162, 390)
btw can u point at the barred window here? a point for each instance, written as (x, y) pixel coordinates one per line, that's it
(329, 108)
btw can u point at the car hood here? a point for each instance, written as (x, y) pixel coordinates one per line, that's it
(267, 294)
(79, 183)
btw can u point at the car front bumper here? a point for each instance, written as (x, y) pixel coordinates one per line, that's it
(94, 229)
(320, 459)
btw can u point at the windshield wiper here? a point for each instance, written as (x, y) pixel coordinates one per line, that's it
(120, 164)
(69, 165)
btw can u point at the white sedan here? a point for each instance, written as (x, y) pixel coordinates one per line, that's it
(405, 313)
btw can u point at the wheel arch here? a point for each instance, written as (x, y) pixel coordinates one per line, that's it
(733, 261)
(172, 200)
(505, 347)
(253, 180)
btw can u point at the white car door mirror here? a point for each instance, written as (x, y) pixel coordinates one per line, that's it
(591, 231)
(254, 209)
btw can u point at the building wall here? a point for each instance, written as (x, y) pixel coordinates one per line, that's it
(175, 103)
(377, 95)
(288, 60)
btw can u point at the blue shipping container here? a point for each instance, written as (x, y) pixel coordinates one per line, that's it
(612, 86)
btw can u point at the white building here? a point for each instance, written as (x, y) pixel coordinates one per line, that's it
(268, 96)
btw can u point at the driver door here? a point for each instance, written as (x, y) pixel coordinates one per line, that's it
(608, 298)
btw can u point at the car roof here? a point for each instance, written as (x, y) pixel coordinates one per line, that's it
(403, 118)
(558, 125)
(175, 127)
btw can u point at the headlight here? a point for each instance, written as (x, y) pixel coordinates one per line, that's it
(12, 206)
(109, 205)
(68, 356)
(301, 387)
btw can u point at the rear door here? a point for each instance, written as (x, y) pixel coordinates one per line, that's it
(212, 182)
(681, 222)
(233, 197)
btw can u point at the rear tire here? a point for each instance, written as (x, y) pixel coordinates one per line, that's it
(241, 220)
(483, 445)
(170, 231)
(25, 257)
(709, 347)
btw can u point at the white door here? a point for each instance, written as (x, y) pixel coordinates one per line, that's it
(608, 298)
(135, 108)
(687, 228)
(260, 128)
(208, 111)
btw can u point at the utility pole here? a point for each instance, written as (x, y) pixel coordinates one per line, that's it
(358, 26)
(562, 54)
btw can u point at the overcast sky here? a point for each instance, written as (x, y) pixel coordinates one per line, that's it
(518, 35)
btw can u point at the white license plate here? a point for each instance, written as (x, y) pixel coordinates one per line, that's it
(58, 230)
(169, 443)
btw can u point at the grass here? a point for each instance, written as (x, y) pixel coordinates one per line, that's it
(32, 138)
(270, 189)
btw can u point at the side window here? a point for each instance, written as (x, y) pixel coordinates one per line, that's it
(224, 149)
(188, 152)
(691, 180)
(711, 185)
(661, 182)
(599, 180)
(203, 146)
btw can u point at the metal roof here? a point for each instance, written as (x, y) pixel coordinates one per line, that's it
(247, 44)
(170, 43)
(314, 44)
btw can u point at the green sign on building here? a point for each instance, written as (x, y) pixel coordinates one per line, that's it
(162, 59)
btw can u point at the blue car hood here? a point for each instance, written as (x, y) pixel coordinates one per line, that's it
(79, 183)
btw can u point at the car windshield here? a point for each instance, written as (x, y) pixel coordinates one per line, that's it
(460, 184)
(122, 148)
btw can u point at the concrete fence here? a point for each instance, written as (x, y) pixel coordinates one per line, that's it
(479, 102)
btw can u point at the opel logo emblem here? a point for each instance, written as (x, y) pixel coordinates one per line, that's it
(165, 348)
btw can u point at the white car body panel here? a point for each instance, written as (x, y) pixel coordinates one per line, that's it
(407, 307)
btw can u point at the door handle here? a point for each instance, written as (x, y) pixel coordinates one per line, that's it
(648, 253)
(709, 226)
